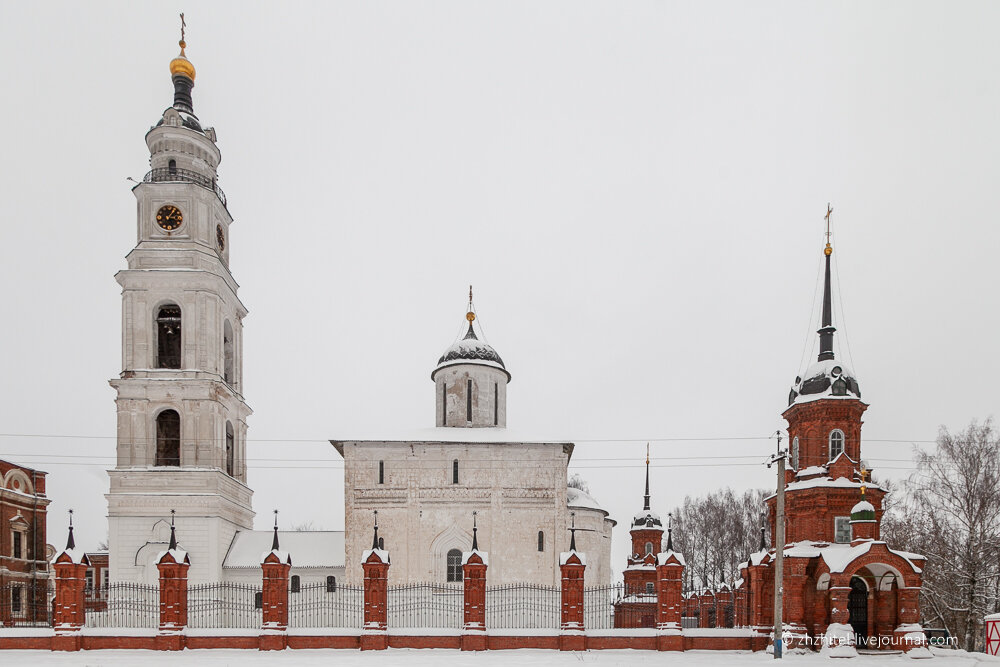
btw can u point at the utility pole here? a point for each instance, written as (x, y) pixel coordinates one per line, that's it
(779, 546)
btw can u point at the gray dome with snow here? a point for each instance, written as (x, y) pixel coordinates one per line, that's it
(647, 519)
(824, 379)
(471, 350)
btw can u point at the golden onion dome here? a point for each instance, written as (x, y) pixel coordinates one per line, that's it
(181, 65)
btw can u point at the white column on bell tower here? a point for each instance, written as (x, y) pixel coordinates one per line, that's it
(181, 441)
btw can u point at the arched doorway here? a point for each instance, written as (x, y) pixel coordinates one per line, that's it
(857, 606)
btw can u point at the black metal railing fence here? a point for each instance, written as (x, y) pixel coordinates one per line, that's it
(123, 605)
(324, 606)
(425, 605)
(26, 603)
(224, 605)
(174, 175)
(511, 606)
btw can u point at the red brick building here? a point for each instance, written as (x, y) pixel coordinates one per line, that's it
(637, 609)
(840, 579)
(24, 567)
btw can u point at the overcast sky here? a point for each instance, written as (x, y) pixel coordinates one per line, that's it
(636, 190)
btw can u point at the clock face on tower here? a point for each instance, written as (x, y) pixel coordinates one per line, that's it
(220, 237)
(169, 217)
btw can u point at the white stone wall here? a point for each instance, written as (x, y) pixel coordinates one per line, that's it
(517, 489)
(186, 267)
(489, 396)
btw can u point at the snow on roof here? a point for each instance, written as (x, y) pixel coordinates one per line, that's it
(564, 556)
(840, 482)
(863, 506)
(838, 556)
(179, 555)
(577, 498)
(485, 555)
(822, 379)
(283, 556)
(382, 554)
(76, 556)
(453, 434)
(811, 470)
(321, 548)
(664, 556)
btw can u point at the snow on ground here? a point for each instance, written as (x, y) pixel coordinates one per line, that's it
(452, 658)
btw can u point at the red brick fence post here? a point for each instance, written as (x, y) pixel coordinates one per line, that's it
(669, 599)
(275, 566)
(173, 565)
(572, 565)
(69, 613)
(474, 564)
(375, 563)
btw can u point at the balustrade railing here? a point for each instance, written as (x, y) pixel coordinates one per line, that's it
(168, 175)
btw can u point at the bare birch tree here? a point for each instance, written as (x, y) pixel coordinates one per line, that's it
(951, 514)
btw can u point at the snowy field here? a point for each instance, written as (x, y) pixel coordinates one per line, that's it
(451, 658)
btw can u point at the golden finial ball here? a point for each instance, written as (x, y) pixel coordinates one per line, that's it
(181, 65)
(828, 250)
(470, 316)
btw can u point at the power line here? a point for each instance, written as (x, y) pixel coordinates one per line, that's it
(458, 442)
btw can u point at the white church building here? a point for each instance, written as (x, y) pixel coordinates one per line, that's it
(182, 421)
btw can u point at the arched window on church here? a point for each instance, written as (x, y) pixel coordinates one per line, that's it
(381, 543)
(454, 471)
(836, 443)
(168, 336)
(172, 167)
(230, 448)
(331, 584)
(168, 438)
(795, 453)
(649, 548)
(296, 583)
(541, 541)
(454, 565)
(227, 353)
(381, 472)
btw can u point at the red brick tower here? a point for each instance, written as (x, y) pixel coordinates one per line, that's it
(841, 583)
(647, 539)
(824, 429)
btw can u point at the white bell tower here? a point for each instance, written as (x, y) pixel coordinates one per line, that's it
(182, 418)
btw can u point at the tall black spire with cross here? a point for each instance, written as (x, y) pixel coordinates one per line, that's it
(645, 501)
(827, 329)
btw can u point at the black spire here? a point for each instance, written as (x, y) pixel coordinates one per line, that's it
(572, 532)
(471, 316)
(173, 535)
(70, 542)
(670, 531)
(475, 542)
(375, 539)
(763, 543)
(274, 542)
(182, 93)
(826, 329)
(645, 503)
(182, 73)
